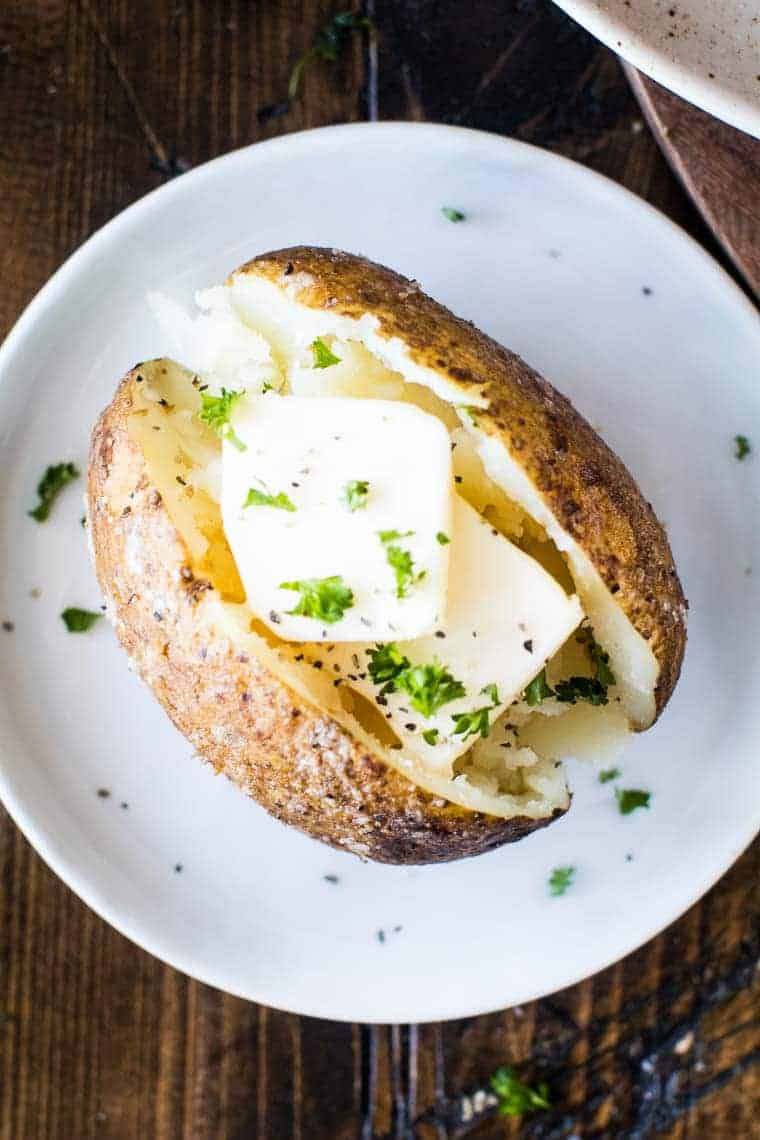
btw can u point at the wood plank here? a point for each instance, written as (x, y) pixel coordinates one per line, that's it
(718, 165)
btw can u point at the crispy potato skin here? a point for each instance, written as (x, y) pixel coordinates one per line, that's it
(584, 484)
(297, 763)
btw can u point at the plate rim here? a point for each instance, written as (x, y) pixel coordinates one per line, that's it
(44, 844)
(735, 109)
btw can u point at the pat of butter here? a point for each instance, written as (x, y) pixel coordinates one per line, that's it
(309, 452)
(506, 617)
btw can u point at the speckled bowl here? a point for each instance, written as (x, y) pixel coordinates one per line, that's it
(708, 51)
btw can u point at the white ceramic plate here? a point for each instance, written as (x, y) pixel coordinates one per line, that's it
(650, 339)
(707, 51)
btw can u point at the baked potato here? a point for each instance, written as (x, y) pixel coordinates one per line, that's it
(311, 746)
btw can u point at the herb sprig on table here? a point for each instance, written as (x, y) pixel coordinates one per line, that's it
(328, 43)
(515, 1097)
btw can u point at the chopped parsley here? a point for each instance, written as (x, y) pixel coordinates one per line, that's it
(631, 798)
(386, 663)
(328, 43)
(442, 539)
(428, 687)
(355, 494)
(216, 411)
(560, 879)
(576, 689)
(537, 690)
(608, 774)
(477, 722)
(516, 1098)
(50, 486)
(591, 689)
(256, 498)
(323, 358)
(430, 736)
(743, 446)
(452, 215)
(79, 621)
(326, 599)
(386, 536)
(599, 659)
(400, 561)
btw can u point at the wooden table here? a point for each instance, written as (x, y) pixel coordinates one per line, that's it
(100, 101)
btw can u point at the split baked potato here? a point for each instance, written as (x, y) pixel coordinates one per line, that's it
(317, 753)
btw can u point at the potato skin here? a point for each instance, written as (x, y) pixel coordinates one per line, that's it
(588, 489)
(296, 762)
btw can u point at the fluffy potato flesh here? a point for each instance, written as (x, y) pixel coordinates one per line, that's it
(515, 771)
(182, 457)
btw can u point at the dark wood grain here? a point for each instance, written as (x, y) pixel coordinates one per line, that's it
(100, 101)
(718, 165)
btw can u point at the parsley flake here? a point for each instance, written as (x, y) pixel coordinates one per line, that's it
(400, 561)
(50, 486)
(576, 689)
(326, 599)
(477, 722)
(515, 1097)
(391, 535)
(429, 687)
(560, 879)
(386, 663)
(216, 412)
(355, 494)
(492, 692)
(743, 446)
(537, 690)
(430, 736)
(608, 774)
(631, 798)
(323, 357)
(79, 621)
(256, 498)
(599, 659)
(442, 539)
(452, 215)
